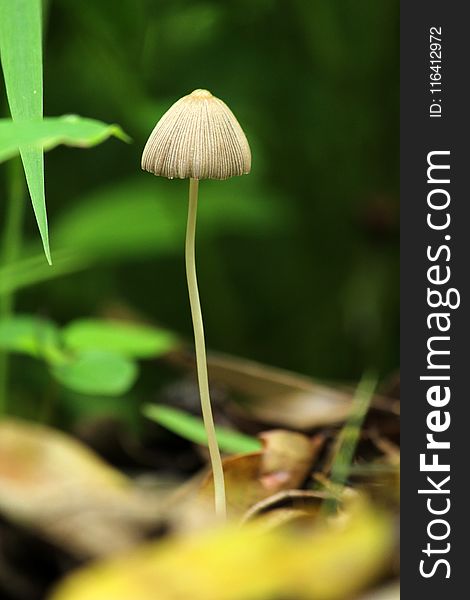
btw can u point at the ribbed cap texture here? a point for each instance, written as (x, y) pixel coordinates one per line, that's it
(197, 137)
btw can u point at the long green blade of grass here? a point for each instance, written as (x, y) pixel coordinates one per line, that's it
(349, 436)
(192, 428)
(21, 55)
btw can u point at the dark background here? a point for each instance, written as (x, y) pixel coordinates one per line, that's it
(298, 262)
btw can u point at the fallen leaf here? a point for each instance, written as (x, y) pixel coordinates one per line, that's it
(287, 458)
(283, 463)
(307, 502)
(283, 517)
(235, 563)
(61, 489)
(279, 397)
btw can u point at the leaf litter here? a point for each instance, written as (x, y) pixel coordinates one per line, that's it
(278, 540)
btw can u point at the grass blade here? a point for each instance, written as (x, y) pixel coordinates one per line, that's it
(21, 55)
(192, 428)
(350, 434)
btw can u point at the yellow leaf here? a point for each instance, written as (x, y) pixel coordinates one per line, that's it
(236, 563)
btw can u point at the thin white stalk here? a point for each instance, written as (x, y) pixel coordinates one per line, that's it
(201, 360)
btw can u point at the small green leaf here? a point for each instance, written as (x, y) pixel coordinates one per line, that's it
(30, 335)
(95, 372)
(192, 428)
(21, 54)
(48, 133)
(129, 339)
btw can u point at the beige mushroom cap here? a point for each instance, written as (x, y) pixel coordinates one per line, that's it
(197, 137)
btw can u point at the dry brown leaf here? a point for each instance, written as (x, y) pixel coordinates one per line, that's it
(283, 463)
(305, 501)
(287, 458)
(283, 517)
(61, 489)
(279, 397)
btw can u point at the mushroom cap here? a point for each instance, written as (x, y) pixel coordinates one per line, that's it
(198, 137)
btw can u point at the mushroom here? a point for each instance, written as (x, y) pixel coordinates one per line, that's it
(199, 138)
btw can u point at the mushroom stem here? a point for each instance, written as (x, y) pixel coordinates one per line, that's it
(201, 361)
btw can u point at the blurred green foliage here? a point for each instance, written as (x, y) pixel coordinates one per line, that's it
(298, 262)
(88, 356)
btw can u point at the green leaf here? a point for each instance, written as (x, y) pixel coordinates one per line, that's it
(192, 429)
(70, 130)
(21, 54)
(129, 339)
(30, 335)
(96, 372)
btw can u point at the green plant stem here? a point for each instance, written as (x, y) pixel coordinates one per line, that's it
(201, 360)
(15, 203)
